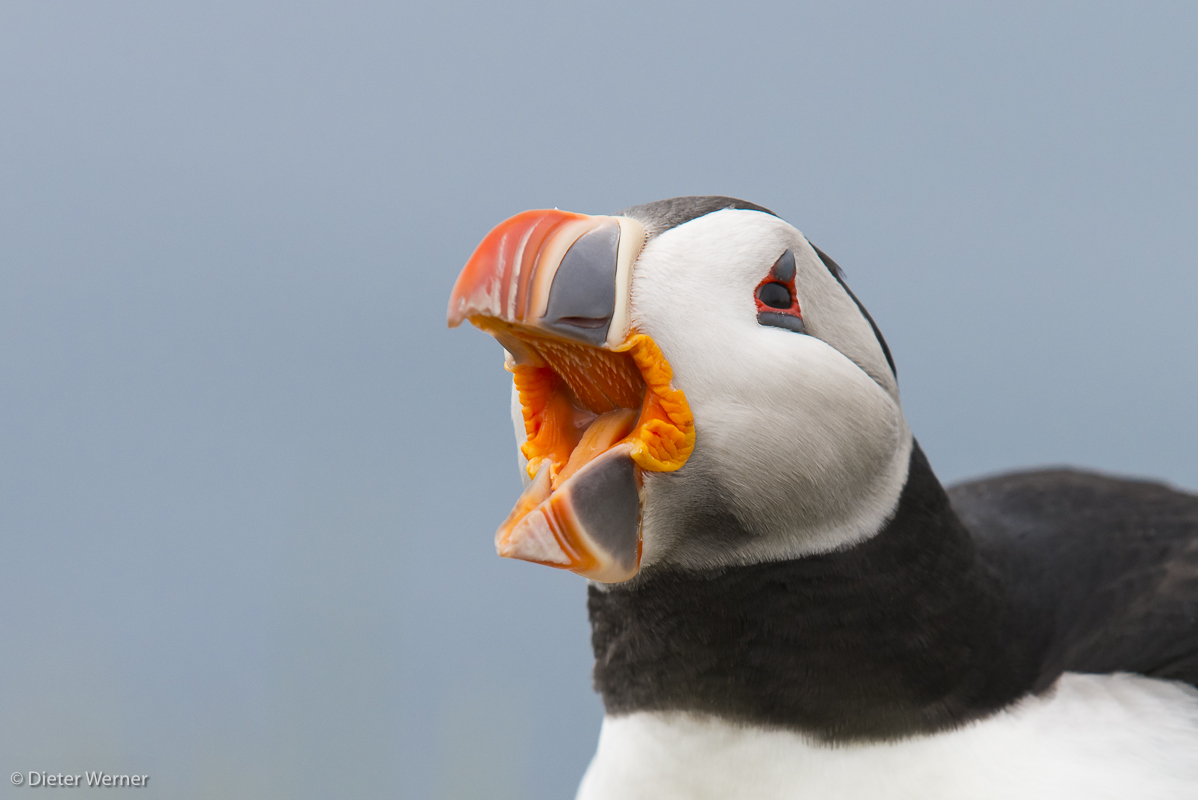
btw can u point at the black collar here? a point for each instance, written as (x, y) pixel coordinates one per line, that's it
(904, 633)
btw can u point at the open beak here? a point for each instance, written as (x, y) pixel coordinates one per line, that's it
(599, 408)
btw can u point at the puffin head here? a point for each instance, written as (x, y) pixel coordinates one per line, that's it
(694, 385)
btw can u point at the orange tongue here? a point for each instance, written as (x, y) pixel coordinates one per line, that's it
(605, 431)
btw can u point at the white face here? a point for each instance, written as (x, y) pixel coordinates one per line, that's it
(801, 444)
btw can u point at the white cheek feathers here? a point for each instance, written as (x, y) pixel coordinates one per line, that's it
(801, 443)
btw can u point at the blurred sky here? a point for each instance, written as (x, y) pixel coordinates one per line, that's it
(249, 481)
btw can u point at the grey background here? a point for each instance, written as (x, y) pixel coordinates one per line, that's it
(248, 480)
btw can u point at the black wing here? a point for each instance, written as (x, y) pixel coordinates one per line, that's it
(1105, 569)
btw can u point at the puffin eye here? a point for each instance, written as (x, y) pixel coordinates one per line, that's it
(776, 302)
(775, 295)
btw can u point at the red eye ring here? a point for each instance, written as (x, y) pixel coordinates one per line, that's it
(769, 296)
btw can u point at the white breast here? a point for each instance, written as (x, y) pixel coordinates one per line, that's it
(1093, 736)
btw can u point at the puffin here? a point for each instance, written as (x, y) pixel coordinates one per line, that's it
(785, 602)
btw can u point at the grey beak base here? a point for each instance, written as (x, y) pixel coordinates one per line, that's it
(605, 500)
(582, 297)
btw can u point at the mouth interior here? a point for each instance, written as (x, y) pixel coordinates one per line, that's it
(580, 401)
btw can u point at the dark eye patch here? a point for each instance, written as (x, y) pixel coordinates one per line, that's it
(777, 301)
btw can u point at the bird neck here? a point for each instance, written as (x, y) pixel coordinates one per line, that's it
(906, 632)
